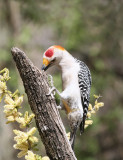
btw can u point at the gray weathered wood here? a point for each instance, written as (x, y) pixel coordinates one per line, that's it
(47, 117)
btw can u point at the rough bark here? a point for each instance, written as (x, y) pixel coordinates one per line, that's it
(48, 121)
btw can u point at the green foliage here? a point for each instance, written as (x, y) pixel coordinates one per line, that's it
(4, 56)
(24, 37)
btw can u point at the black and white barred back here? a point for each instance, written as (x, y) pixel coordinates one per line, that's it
(84, 80)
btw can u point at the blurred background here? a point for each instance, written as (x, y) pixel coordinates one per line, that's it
(91, 31)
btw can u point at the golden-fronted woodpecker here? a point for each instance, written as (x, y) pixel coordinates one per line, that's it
(76, 84)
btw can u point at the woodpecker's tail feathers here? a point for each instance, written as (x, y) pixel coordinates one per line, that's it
(82, 124)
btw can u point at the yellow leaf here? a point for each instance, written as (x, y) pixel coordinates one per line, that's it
(1, 96)
(96, 107)
(20, 120)
(19, 101)
(3, 87)
(10, 119)
(38, 157)
(30, 156)
(22, 153)
(24, 121)
(88, 115)
(21, 136)
(93, 112)
(90, 107)
(96, 96)
(85, 126)
(31, 131)
(33, 139)
(45, 158)
(100, 104)
(9, 106)
(96, 102)
(23, 146)
(9, 100)
(26, 115)
(88, 122)
(5, 76)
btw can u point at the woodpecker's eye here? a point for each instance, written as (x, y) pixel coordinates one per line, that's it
(49, 52)
(53, 60)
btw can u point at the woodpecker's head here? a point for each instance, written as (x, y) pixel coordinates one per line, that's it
(52, 56)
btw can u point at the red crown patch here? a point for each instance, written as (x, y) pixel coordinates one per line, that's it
(49, 52)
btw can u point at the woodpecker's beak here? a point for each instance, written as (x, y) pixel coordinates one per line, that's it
(46, 64)
(44, 68)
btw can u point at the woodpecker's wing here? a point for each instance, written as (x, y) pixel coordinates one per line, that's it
(84, 80)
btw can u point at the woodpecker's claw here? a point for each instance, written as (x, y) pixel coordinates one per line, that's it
(51, 90)
(51, 85)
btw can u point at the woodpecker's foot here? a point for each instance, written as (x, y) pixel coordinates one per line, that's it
(51, 90)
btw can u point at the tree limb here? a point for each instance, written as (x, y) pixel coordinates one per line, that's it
(48, 121)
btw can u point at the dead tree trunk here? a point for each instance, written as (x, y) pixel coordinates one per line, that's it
(48, 121)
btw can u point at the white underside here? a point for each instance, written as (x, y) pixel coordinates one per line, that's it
(71, 91)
